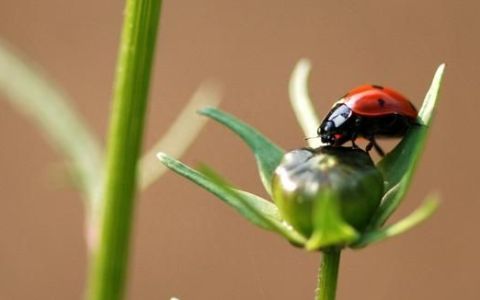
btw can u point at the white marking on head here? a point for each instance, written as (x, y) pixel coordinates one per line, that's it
(339, 120)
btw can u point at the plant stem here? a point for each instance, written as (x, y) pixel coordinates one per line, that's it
(327, 275)
(108, 267)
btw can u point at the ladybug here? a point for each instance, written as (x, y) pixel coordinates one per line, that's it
(368, 111)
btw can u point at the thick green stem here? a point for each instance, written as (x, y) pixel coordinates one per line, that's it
(109, 262)
(327, 275)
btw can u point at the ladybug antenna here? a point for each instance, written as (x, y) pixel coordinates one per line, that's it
(312, 137)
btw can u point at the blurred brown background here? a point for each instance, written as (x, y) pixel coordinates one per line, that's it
(187, 243)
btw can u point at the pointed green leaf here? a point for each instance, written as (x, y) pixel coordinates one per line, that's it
(257, 210)
(414, 219)
(250, 204)
(33, 94)
(267, 154)
(398, 166)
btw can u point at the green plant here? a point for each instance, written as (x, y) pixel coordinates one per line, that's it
(109, 207)
(110, 202)
(336, 232)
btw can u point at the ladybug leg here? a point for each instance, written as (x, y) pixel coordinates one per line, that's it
(374, 144)
(378, 149)
(354, 146)
(353, 137)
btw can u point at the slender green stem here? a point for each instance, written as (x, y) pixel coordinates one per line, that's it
(327, 275)
(109, 262)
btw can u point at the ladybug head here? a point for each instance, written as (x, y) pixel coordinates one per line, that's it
(329, 135)
(326, 132)
(332, 129)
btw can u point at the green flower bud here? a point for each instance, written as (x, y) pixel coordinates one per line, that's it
(327, 194)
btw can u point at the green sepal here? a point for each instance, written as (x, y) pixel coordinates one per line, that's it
(398, 166)
(267, 154)
(411, 221)
(330, 229)
(255, 209)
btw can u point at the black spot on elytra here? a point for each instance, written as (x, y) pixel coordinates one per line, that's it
(378, 87)
(381, 102)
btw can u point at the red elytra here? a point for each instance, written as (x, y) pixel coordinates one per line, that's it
(373, 100)
(368, 111)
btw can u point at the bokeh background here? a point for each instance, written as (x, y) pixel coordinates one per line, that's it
(187, 243)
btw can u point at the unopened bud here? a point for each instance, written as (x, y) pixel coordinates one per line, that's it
(320, 190)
